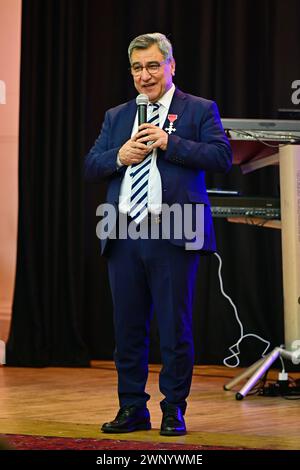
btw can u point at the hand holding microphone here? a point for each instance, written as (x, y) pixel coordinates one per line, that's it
(134, 151)
(136, 148)
(149, 134)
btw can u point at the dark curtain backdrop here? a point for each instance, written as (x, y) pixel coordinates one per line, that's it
(243, 54)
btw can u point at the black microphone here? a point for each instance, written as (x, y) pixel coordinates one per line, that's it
(142, 103)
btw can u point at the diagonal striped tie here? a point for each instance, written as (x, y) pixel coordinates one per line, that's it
(140, 175)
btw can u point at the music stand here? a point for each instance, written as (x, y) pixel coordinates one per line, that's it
(259, 368)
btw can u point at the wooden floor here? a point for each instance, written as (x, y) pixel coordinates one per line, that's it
(74, 402)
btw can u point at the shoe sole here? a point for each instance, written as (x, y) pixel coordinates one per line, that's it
(140, 427)
(173, 433)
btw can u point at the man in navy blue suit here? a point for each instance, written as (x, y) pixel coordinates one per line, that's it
(151, 168)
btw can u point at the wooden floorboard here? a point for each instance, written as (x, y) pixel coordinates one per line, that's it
(71, 402)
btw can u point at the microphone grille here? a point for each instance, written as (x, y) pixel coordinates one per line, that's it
(142, 100)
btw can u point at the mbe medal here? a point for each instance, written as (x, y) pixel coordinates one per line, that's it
(172, 118)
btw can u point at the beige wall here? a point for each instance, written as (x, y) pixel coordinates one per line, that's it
(10, 45)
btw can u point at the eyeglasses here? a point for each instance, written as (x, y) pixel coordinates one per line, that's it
(152, 68)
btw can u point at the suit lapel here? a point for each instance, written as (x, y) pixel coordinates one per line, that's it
(177, 106)
(127, 123)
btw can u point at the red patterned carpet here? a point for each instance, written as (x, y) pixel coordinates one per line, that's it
(22, 442)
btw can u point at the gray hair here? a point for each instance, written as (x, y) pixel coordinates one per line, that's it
(146, 40)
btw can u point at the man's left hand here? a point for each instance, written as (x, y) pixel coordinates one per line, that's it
(149, 133)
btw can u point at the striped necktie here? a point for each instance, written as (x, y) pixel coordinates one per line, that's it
(140, 176)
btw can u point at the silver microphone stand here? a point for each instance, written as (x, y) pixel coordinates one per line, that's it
(259, 368)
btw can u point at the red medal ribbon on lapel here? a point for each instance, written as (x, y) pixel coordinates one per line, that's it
(172, 117)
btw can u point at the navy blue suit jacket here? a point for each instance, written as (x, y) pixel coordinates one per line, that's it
(198, 145)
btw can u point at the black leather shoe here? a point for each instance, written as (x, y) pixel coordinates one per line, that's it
(129, 419)
(172, 422)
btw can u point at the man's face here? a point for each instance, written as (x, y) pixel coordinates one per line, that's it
(153, 85)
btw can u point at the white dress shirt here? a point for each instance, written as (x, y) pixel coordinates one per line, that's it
(154, 182)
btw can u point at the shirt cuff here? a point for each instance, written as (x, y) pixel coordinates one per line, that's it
(119, 163)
